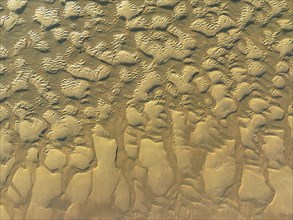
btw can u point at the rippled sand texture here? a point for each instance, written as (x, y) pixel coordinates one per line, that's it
(146, 109)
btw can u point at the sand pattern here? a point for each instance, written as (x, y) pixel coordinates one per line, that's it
(146, 109)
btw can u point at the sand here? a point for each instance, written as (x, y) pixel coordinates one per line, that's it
(146, 109)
